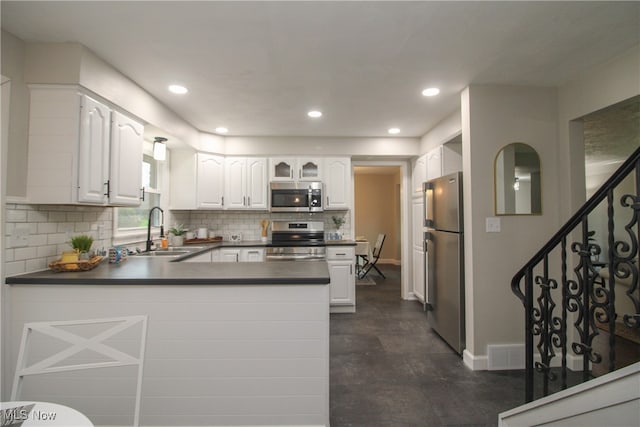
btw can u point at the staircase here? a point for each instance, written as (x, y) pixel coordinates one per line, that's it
(582, 316)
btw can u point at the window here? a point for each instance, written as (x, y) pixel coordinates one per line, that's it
(134, 220)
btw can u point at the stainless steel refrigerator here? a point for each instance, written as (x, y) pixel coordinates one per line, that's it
(444, 254)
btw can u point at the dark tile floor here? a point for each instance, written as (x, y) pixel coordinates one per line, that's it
(388, 368)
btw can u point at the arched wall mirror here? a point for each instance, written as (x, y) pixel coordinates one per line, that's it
(517, 181)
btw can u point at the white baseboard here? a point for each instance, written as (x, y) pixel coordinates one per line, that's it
(475, 363)
(511, 357)
(342, 309)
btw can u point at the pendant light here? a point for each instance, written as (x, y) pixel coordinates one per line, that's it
(159, 148)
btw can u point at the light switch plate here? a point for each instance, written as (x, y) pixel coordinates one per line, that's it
(493, 225)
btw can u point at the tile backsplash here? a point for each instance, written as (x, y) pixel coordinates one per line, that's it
(37, 234)
(224, 223)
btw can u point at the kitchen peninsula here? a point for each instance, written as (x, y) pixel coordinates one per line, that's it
(227, 343)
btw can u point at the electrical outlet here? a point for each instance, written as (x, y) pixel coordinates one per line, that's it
(101, 233)
(493, 225)
(20, 237)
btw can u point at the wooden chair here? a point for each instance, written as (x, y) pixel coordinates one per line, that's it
(369, 264)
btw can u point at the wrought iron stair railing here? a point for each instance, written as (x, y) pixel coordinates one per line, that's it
(567, 307)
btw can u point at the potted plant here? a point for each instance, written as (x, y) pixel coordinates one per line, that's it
(338, 221)
(178, 232)
(82, 245)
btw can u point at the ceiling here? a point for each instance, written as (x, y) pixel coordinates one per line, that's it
(258, 67)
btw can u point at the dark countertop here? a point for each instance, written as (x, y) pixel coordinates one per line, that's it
(258, 243)
(160, 271)
(163, 270)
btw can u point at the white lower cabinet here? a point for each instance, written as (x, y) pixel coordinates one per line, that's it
(238, 255)
(341, 261)
(252, 255)
(205, 257)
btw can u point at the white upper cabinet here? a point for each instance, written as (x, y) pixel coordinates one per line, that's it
(197, 180)
(245, 183)
(209, 181)
(337, 183)
(295, 169)
(94, 147)
(444, 159)
(434, 163)
(418, 175)
(127, 138)
(81, 150)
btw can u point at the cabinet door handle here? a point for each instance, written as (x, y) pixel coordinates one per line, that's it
(327, 200)
(108, 184)
(351, 269)
(244, 201)
(222, 200)
(142, 198)
(248, 201)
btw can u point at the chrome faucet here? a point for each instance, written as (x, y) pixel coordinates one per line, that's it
(149, 241)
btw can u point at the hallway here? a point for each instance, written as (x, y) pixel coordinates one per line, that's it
(388, 368)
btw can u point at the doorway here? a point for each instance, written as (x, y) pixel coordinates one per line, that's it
(380, 189)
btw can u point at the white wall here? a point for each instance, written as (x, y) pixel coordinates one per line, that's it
(486, 120)
(608, 84)
(13, 57)
(276, 145)
(492, 117)
(4, 135)
(444, 131)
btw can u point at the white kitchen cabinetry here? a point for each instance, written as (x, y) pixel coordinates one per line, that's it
(444, 159)
(341, 262)
(245, 183)
(434, 163)
(238, 255)
(295, 169)
(418, 258)
(418, 175)
(127, 138)
(81, 150)
(197, 180)
(252, 255)
(337, 183)
(204, 257)
(209, 181)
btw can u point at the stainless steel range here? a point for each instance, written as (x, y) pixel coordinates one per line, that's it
(296, 240)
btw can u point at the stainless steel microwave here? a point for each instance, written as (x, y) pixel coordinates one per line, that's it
(296, 197)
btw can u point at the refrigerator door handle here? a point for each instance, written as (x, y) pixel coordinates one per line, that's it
(428, 272)
(427, 196)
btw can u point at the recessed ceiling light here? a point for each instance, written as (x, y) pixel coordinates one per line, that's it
(177, 89)
(432, 91)
(222, 129)
(314, 113)
(393, 131)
